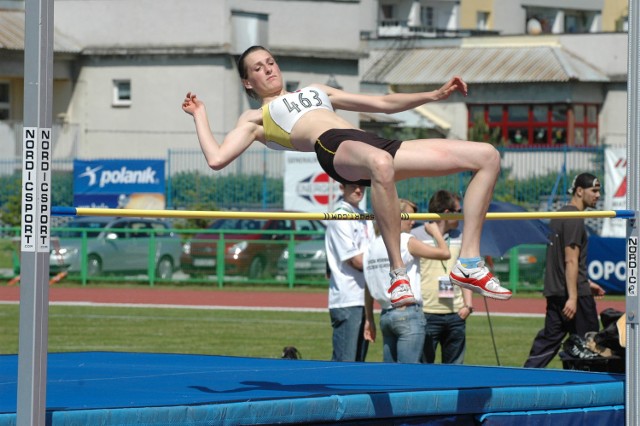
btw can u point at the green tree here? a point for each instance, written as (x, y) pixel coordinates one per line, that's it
(481, 132)
(10, 213)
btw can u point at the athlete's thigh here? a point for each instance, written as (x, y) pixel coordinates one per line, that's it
(437, 157)
(353, 160)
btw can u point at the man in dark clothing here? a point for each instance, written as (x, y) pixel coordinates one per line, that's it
(571, 306)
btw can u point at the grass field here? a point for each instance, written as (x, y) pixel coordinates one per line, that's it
(242, 333)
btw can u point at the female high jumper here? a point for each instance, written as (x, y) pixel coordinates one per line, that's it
(306, 121)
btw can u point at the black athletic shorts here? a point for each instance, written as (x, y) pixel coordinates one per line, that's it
(328, 143)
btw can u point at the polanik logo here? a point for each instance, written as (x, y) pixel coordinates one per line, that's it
(319, 189)
(118, 176)
(122, 176)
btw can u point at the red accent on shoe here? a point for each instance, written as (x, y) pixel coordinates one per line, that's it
(474, 281)
(407, 296)
(478, 282)
(397, 283)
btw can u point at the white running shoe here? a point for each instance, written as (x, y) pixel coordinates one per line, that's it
(479, 280)
(400, 291)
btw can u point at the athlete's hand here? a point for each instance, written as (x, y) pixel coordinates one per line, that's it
(456, 84)
(570, 308)
(191, 104)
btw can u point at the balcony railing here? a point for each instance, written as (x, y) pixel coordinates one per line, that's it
(401, 28)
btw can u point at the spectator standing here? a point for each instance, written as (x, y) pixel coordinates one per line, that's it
(571, 306)
(402, 327)
(346, 241)
(445, 306)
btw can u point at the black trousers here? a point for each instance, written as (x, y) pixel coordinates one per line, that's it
(548, 341)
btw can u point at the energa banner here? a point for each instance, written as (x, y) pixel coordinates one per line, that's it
(308, 188)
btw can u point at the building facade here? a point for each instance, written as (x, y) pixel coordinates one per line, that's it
(126, 66)
(121, 69)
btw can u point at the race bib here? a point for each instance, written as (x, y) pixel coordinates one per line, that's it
(445, 288)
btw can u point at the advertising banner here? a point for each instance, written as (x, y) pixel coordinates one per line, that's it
(615, 190)
(132, 184)
(606, 263)
(308, 188)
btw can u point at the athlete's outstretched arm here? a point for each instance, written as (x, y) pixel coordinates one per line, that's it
(394, 102)
(235, 143)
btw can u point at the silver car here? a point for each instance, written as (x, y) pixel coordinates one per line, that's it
(115, 245)
(311, 259)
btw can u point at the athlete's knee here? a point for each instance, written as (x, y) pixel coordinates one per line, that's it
(489, 157)
(382, 167)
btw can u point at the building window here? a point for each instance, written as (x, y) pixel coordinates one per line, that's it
(482, 21)
(121, 92)
(539, 124)
(4, 101)
(577, 22)
(386, 10)
(540, 20)
(427, 19)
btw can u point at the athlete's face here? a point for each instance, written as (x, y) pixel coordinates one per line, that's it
(263, 74)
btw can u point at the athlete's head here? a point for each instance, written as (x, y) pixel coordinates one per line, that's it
(258, 71)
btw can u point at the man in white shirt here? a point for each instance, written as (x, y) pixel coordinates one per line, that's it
(346, 241)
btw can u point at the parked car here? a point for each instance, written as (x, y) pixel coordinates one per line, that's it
(310, 258)
(250, 252)
(115, 245)
(531, 265)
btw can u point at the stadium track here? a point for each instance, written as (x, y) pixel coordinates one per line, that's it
(256, 300)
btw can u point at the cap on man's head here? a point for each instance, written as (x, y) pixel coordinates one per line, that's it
(583, 180)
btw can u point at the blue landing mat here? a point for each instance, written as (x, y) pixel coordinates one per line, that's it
(110, 388)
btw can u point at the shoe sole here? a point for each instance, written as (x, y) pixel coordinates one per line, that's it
(404, 301)
(480, 290)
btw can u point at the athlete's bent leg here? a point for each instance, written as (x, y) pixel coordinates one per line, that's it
(438, 157)
(355, 160)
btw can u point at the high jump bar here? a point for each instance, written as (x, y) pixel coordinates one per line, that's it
(194, 214)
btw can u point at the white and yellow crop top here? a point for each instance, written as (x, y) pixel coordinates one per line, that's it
(281, 114)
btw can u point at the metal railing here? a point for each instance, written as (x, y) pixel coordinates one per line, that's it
(295, 258)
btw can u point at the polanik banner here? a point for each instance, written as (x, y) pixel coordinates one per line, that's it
(130, 184)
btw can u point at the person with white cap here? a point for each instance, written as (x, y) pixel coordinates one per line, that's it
(571, 306)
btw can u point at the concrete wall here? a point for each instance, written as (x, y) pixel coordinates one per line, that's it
(166, 48)
(608, 52)
(469, 13)
(613, 116)
(113, 23)
(508, 17)
(310, 25)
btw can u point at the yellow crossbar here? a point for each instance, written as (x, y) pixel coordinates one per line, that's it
(191, 214)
